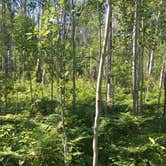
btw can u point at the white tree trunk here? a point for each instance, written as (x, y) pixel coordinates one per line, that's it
(98, 89)
(149, 69)
(135, 58)
(109, 62)
(62, 89)
(73, 57)
(161, 82)
(150, 62)
(99, 29)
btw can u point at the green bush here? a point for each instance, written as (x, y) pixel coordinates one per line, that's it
(46, 106)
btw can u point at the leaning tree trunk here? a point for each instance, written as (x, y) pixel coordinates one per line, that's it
(98, 89)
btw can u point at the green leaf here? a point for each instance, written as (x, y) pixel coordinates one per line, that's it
(77, 153)
(46, 12)
(62, 2)
(52, 9)
(152, 140)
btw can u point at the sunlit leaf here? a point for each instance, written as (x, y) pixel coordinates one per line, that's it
(151, 140)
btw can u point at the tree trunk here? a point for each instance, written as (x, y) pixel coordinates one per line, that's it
(149, 69)
(164, 111)
(98, 88)
(109, 63)
(73, 56)
(4, 52)
(99, 28)
(38, 71)
(161, 83)
(64, 139)
(52, 77)
(141, 79)
(150, 62)
(39, 59)
(44, 76)
(90, 64)
(135, 58)
(62, 86)
(142, 62)
(30, 86)
(9, 39)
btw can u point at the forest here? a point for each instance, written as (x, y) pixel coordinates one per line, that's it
(82, 83)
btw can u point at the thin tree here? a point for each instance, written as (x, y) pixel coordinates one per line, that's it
(73, 55)
(99, 28)
(135, 59)
(98, 88)
(161, 82)
(109, 63)
(141, 58)
(149, 68)
(62, 86)
(164, 111)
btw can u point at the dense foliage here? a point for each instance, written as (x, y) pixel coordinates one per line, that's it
(50, 52)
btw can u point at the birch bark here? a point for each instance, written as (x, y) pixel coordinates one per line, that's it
(98, 88)
(134, 60)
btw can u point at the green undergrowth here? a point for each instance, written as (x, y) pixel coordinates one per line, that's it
(31, 134)
(124, 139)
(133, 140)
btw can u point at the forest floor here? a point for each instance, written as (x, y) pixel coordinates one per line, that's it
(34, 136)
(123, 140)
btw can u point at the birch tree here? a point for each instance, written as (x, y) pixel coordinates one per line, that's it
(161, 82)
(98, 87)
(109, 62)
(135, 58)
(141, 58)
(73, 55)
(62, 82)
